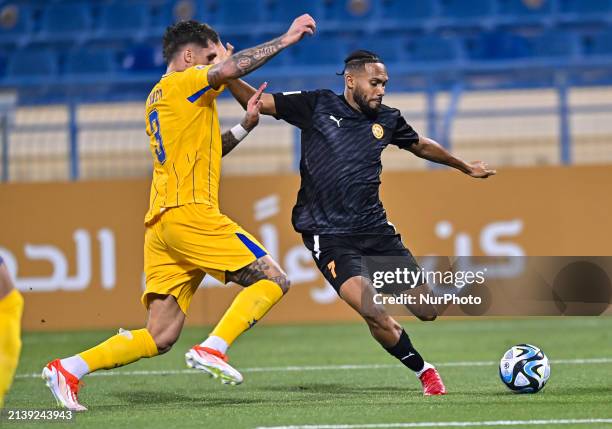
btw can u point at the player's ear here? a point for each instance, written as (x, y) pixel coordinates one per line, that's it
(188, 56)
(349, 81)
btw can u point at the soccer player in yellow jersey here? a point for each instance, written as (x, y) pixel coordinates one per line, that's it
(11, 307)
(186, 235)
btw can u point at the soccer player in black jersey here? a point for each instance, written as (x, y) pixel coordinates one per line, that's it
(338, 209)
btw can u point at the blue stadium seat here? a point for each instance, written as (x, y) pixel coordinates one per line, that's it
(387, 46)
(32, 63)
(84, 61)
(410, 12)
(498, 45)
(321, 50)
(554, 44)
(240, 14)
(345, 13)
(208, 11)
(283, 12)
(524, 8)
(123, 18)
(598, 44)
(241, 42)
(66, 18)
(585, 6)
(167, 12)
(466, 9)
(432, 48)
(3, 61)
(143, 57)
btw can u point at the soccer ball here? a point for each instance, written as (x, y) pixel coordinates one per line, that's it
(524, 369)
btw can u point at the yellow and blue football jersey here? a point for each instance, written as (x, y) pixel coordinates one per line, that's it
(183, 125)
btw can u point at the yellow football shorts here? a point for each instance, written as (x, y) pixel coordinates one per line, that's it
(188, 242)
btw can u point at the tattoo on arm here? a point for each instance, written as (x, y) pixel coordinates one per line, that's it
(228, 142)
(244, 62)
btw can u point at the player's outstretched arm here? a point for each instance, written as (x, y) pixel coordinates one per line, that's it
(231, 138)
(246, 61)
(430, 150)
(242, 92)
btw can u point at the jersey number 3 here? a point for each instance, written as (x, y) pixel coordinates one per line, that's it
(160, 151)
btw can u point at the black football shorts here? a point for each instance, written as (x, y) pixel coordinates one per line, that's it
(340, 257)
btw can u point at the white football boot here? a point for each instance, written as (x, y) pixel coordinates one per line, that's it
(214, 363)
(63, 385)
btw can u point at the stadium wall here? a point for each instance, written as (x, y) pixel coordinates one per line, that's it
(75, 249)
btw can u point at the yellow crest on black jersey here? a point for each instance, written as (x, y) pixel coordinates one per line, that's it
(378, 131)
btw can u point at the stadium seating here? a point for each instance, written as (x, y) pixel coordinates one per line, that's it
(431, 49)
(462, 12)
(397, 14)
(124, 19)
(598, 44)
(436, 33)
(110, 51)
(33, 63)
(585, 6)
(524, 9)
(65, 19)
(16, 26)
(85, 61)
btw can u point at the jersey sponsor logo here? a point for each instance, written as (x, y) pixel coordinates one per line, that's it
(378, 131)
(336, 120)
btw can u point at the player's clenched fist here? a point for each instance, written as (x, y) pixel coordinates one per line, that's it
(301, 25)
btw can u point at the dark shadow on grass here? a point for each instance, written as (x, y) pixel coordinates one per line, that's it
(574, 391)
(341, 389)
(161, 398)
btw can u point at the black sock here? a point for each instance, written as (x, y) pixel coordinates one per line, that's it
(407, 354)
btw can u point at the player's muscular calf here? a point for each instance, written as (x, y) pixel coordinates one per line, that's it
(264, 268)
(165, 321)
(358, 292)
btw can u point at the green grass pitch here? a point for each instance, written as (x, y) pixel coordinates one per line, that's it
(294, 376)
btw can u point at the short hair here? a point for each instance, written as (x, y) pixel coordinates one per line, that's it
(357, 60)
(185, 32)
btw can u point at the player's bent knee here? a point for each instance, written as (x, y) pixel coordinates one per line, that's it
(283, 282)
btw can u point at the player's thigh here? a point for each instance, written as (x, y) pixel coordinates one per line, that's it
(337, 257)
(209, 240)
(165, 275)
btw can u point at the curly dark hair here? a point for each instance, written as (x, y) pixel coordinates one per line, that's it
(184, 32)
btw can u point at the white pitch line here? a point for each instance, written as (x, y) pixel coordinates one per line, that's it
(321, 368)
(448, 424)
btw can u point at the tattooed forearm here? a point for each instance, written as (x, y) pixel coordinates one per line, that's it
(244, 62)
(228, 142)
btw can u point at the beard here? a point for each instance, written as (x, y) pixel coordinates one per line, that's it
(362, 101)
